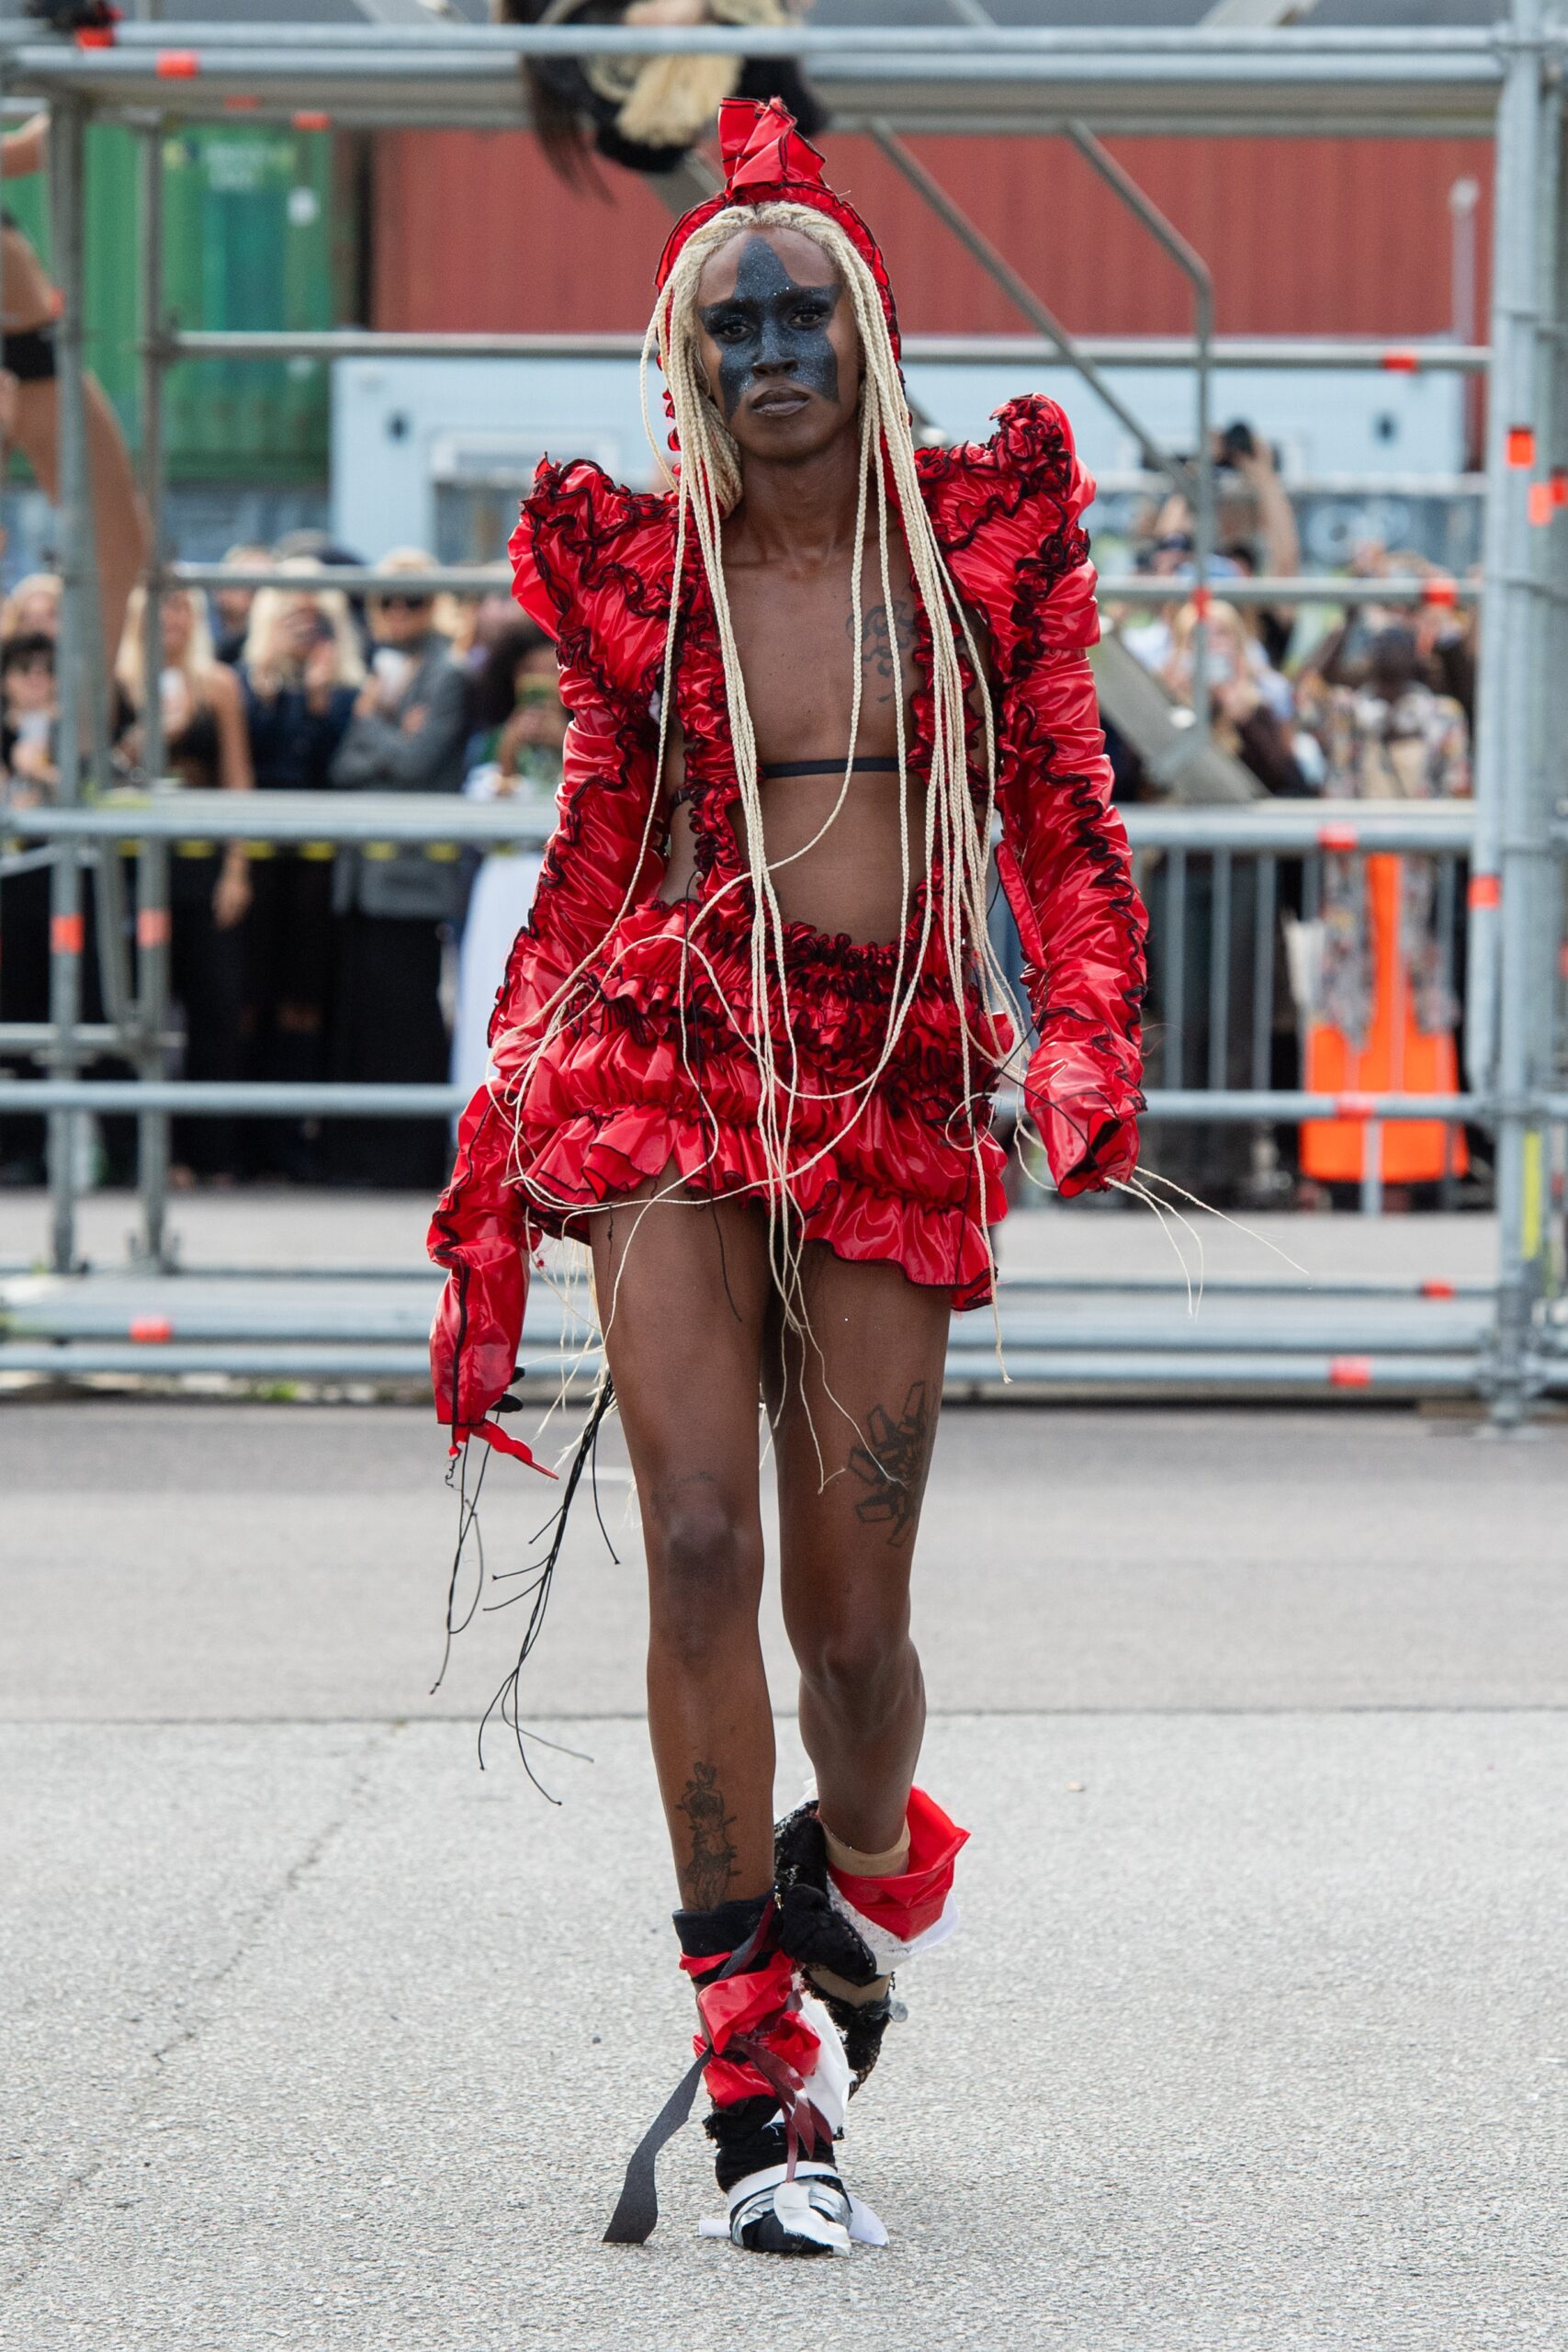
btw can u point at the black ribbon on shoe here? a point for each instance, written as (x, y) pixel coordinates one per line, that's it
(636, 2216)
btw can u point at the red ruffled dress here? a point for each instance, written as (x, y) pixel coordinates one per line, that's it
(649, 1064)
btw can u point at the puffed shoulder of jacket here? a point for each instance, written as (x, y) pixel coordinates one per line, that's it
(592, 564)
(1008, 514)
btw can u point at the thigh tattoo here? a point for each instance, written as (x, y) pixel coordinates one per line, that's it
(893, 1467)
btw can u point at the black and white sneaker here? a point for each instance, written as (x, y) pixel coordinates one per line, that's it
(770, 2213)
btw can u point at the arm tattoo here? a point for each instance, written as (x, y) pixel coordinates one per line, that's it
(880, 648)
(704, 1881)
(893, 1467)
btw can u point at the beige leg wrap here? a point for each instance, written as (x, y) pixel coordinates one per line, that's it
(853, 1863)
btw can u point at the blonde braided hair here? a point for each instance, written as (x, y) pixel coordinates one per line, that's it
(706, 486)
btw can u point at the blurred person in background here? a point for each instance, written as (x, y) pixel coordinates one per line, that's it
(407, 734)
(645, 113)
(231, 606)
(494, 615)
(32, 608)
(32, 305)
(1251, 706)
(300, 673)
(206, 747)
(1379, 997)
(29, 715)
(521, 723)
(1257, 533)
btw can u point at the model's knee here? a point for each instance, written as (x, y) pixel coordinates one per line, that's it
(704, 1571)
(862, 1671)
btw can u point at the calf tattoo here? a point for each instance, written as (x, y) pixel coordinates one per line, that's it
(704, 1881)
(893, 1467)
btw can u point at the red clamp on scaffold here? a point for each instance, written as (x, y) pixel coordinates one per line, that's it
(95, 37)
(66, 934)
(1542, 504)
(1437, 1289)
(152, 927)
(1355, 1106)
(177, 65)
(1340, 837)
(1349, 1371)
(1440, 591)
(241, 102)
(1401, 363)
(311, 119)
(1485, 890)
(151, 1330)
(1521, 446)
(1202, 601)
(1560, 485)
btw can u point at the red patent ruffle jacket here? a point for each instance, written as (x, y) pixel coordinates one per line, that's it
(649, 1067)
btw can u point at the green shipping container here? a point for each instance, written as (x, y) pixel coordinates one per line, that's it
(254, 235)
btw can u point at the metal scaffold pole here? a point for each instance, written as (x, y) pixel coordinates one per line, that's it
(153, 912)
(67, 138)
(1512, 831)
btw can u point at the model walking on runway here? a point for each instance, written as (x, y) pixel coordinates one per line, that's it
(745, 1050)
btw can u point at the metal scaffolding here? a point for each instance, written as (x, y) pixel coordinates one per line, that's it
(1505, 82)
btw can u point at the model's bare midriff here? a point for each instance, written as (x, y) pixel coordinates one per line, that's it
(837, 872)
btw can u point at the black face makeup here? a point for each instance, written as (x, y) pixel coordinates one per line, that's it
(771, 332)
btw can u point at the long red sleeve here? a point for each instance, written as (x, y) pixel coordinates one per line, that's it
(600, 858)
(1067, 870)
(1008, 511)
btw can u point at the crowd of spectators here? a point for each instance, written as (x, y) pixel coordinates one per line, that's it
(379, 963)
(1372, 701)
(309, 962)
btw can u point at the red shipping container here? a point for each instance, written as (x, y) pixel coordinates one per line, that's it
(473, 232)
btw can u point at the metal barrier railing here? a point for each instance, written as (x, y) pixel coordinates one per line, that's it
(976, 79)
(1213, 879)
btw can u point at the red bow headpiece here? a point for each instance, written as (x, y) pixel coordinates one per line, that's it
(766, 161)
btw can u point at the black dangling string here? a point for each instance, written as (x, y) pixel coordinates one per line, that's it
(636, 2216)
(536, 1590)
(468, 1521)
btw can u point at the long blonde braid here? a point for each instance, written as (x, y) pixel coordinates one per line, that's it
(707, 487)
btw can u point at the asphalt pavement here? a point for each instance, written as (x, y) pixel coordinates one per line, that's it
(317, 2035)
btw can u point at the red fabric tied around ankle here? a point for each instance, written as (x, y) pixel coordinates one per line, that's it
(694, 1964)
(906, 1905)
(755, 2009)
(738, 2005)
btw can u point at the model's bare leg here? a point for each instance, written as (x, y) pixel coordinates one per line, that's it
(118, 521)
(854, 1428)
(681, 1288)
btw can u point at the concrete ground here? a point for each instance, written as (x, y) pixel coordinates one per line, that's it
(315, 2036)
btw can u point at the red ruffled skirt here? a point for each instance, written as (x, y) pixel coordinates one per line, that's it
(632, 1084)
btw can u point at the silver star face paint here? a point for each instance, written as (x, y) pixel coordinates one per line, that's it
(772, 331)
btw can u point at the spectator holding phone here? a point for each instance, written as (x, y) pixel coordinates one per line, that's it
(516, 753)
(207, 746)
(407, 734)
(301, 673)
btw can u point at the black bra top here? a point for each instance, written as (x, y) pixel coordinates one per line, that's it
(869, 766)
(829, 767)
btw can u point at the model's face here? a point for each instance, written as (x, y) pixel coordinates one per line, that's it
(779, 345)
